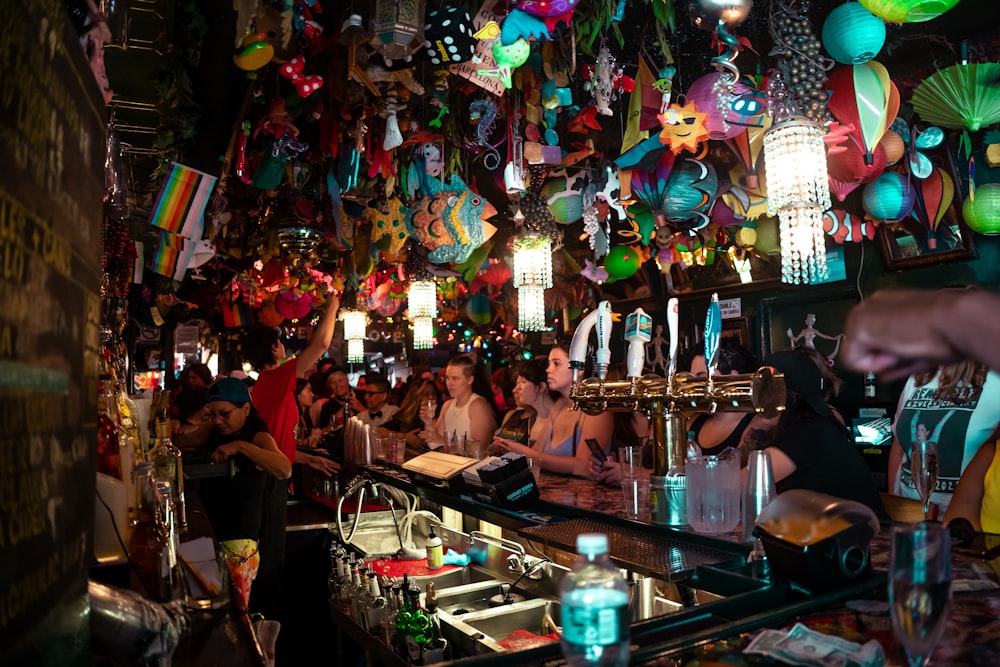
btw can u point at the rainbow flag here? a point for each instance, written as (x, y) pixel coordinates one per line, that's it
(180, 206)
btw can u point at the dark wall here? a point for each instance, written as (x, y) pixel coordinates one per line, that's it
(52, 142)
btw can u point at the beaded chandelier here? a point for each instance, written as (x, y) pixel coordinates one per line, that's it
(422, 298)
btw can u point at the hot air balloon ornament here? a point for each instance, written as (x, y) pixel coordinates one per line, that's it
(934, 195)
(864, 96)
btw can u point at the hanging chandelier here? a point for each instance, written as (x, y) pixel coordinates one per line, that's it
(422, 304)
(532, 276)
(798, 193)
(355, 325)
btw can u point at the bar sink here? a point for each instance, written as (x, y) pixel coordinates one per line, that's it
(514, 627)
(449, 579)
(459, 600)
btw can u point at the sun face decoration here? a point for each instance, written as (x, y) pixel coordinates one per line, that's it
(683, 127)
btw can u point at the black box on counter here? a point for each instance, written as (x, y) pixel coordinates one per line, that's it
(504, 481)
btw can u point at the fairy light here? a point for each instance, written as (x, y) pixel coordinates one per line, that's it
(798, 193)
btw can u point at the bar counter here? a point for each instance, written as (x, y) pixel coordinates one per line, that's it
(972, 635)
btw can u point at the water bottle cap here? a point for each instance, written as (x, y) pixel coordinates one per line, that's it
(592, 544)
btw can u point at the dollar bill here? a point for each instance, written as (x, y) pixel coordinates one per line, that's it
(802, 646)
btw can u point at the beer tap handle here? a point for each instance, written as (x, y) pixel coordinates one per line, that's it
(604, 323)
(713, 334)
(638, 332)
(672, 331)
(578, 347)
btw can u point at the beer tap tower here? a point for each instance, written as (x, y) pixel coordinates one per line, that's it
(668, 402)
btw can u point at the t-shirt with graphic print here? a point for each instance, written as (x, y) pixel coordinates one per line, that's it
(958, 429)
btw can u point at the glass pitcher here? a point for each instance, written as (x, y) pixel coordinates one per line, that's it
(713, 492)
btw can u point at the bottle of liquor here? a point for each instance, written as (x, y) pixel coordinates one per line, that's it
(436, 647)
(347, 589)
(167, 467)
(402, 621)
(870, 394)
(417, 632)
(376, 606)
(148, 547)
(361, 600)
(389, 618)
(168, 513)
(109, 459)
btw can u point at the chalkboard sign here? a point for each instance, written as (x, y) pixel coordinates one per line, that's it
(52, 123)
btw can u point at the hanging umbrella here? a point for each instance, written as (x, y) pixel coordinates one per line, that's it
(961, 96)
(840, 189)
(933, 198)
(864, 96)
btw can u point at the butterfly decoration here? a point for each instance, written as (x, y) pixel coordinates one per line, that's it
(916, 141)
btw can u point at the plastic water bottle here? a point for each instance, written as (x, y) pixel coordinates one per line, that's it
(693, 448)
(594, 608)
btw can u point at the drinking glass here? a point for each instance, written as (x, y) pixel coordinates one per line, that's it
(924, 466)
(713, 492)
(919, 587)
(427, 410)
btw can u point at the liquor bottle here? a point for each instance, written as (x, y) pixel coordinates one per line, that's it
(347, 589)
(594, 608)
(167, 467)
(168, 514)
(377, 606)
(870, 394)
(361, 600)
(389, 618)
(416, 635)
(148, 547)
(436, 647)
(402, 622)
(109, 459)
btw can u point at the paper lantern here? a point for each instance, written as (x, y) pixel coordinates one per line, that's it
(622, 262)
(849, 165)
(893, 145)
(711, 97)
(982, 213)
(478, 309)
(864, 96)
(890, 197)
(853, 35)
(908, 11)
(934, 195)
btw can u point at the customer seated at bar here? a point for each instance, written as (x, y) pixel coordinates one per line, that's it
(406, 421)
(234, 505)
(534, 401)
(630, 428)
(809, 448)
(716, 432)
(559, 441)
(469, 412)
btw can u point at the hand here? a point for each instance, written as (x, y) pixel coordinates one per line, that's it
(324, 465)
(222, 453)
(607, 472)
(898, 333)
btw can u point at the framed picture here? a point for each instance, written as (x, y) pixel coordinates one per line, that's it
(737, 330)
(815, 318)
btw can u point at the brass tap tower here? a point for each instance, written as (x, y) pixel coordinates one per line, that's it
(667, 401)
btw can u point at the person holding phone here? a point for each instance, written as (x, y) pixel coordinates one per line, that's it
(534, 401)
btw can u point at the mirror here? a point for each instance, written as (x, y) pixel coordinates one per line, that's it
(908, 244)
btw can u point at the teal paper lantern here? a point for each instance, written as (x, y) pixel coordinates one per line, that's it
(982, 213)
(478, 309)
(853, 35)
(890, 197)
(622, 262)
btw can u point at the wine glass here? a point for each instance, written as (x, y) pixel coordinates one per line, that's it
(919, 587)
(924, 467)
(427, 410)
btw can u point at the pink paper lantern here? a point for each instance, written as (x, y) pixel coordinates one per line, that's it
(722, 121)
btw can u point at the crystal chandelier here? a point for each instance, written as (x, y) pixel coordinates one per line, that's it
(532, 276)
(422, 299)
(798, 192)
(423, 333)
(355, 325)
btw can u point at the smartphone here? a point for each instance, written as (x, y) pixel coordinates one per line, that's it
(597, 450)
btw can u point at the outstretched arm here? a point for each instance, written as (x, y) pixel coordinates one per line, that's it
(322, 335)
(901, 332)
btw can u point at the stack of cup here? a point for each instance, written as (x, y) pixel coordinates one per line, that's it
(635, 485)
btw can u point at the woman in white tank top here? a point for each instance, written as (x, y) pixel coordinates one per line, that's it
(466, 412)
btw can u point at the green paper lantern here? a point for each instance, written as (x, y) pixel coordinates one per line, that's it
(478, 309)
(908, 11)
(767, 236)
(983, 214)
(622, 262)
(853, 35)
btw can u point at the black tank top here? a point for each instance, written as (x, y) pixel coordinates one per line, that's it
(732, 440)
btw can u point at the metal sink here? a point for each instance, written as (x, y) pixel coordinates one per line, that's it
(472, 597)
(449, 579)
(517, 626)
